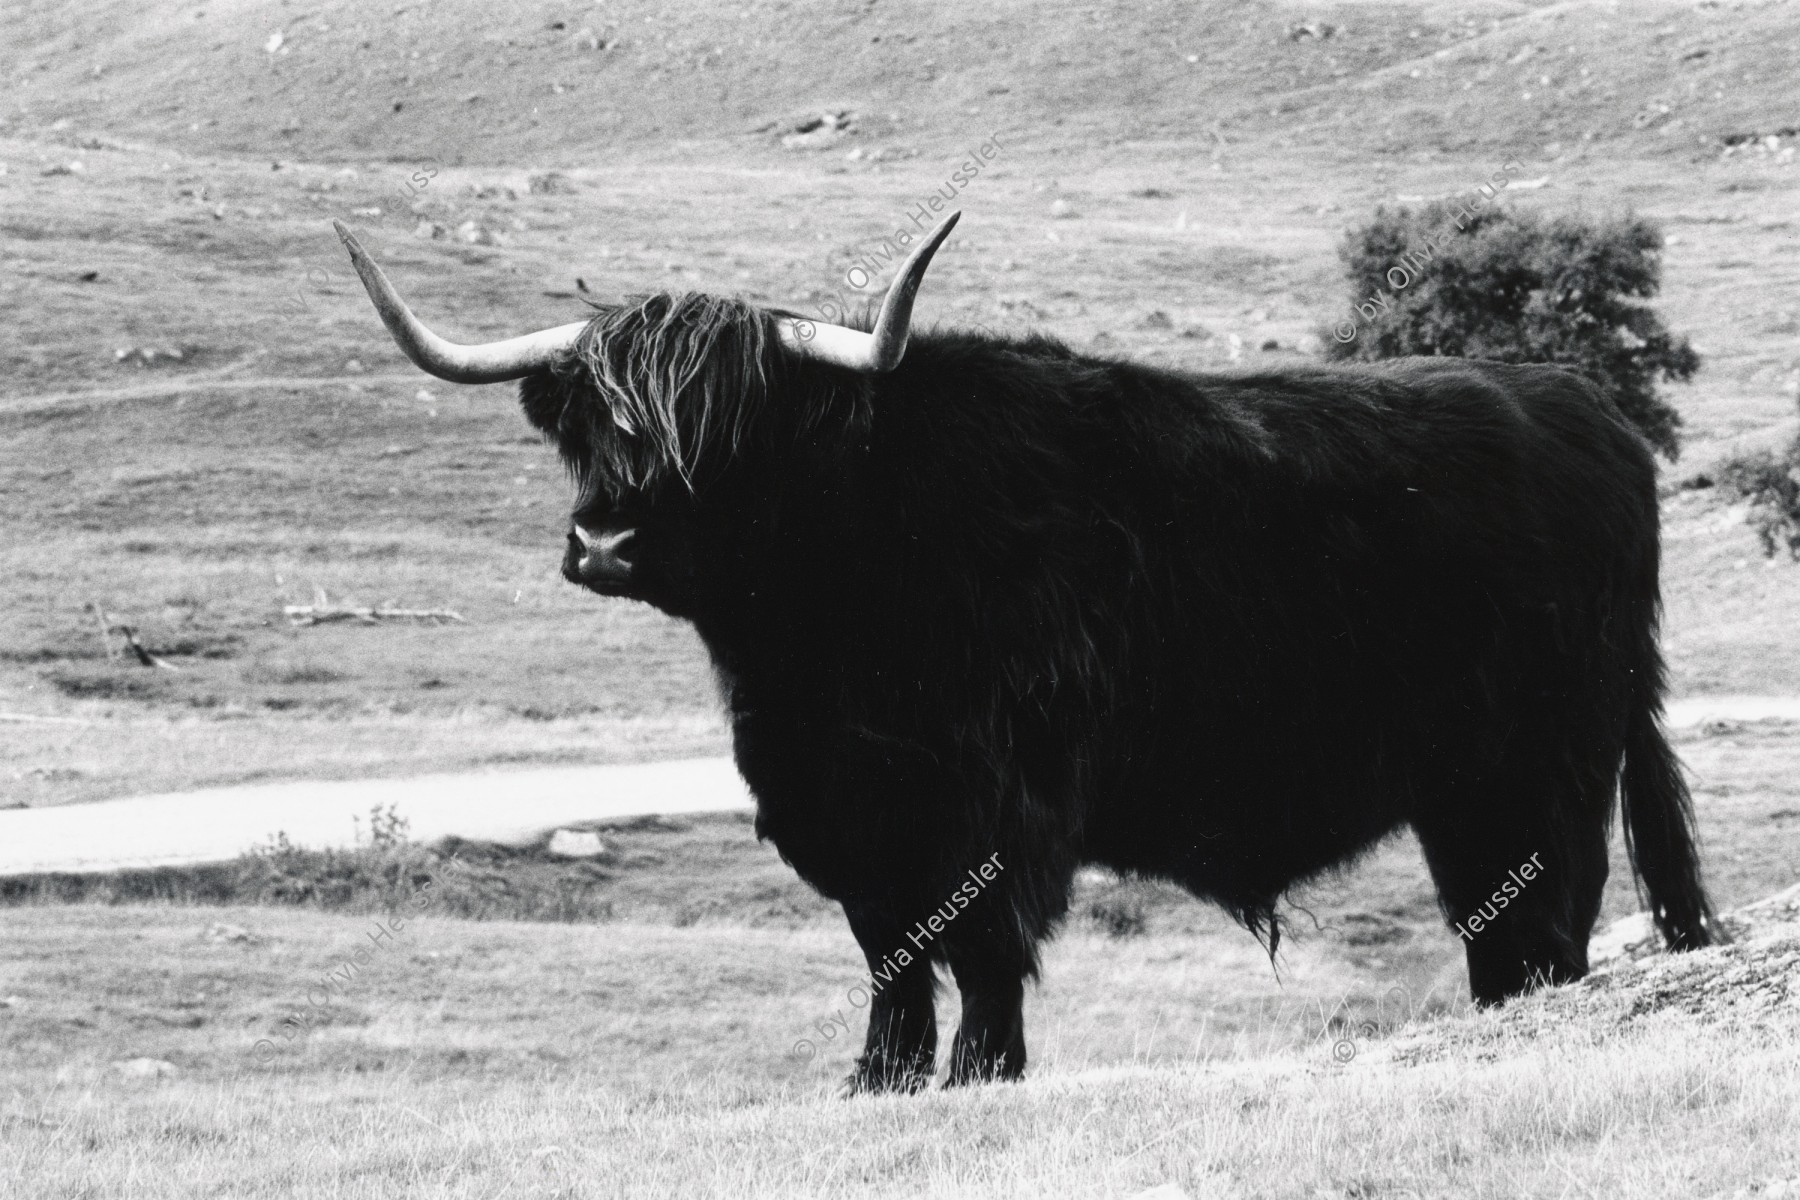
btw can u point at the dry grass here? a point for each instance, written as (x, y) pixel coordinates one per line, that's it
(193, 498)
(657, 1053)
(488, 1060)
(195, 517)
(120, 750)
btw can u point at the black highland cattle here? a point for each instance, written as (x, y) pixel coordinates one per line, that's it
(983, 599)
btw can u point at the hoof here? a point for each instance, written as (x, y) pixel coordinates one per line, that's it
(880, 1076)
(969, 1064)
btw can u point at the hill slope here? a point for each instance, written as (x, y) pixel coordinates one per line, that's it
(553, 82)
(507, 1058)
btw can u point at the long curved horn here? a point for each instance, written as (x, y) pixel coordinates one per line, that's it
(883, 349)
(494, 362)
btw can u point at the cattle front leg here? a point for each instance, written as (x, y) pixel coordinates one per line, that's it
(901, 1049)
(990, 1042)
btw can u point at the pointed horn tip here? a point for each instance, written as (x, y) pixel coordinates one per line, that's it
(348, 238)
(938, 235)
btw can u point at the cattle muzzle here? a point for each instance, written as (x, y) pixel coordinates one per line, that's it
(602, 558)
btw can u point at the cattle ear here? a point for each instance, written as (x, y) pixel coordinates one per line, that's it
(542, 395)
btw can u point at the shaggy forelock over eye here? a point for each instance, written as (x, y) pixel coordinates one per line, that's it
(679, 380)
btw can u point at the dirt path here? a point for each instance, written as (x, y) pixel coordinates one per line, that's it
(1698, 710)
(180, 386)
(501, 806)
(221, 823)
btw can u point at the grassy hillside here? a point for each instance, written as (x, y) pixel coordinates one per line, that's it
(201, 421)
(1142, 205)
(577, 84)
(497, 1059)
(681, 871)
(289, 451)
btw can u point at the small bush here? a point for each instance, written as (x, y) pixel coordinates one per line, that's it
(1516, 287)
(1120, 913)
(1771, 483)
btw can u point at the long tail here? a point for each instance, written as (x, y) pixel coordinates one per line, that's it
(1659, 831)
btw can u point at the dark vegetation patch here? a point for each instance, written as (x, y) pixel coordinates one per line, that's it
(306, 673)
(45, 654)
(1119, 908)
(107, 682)
(670, 871)
(1373, 929)
(201, 645)
(1770, 481)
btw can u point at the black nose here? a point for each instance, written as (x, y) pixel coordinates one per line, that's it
(600, 558)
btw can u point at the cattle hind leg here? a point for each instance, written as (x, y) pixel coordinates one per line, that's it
(1588, 735)
(1521, 934)
(1520, 866)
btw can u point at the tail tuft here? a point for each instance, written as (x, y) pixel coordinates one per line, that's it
(1659, 835)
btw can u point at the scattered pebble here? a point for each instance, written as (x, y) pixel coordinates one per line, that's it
(815, 133)
(475, 235)
(146, 356)
(1162, 1191)
(575, 843)
(145, 1068)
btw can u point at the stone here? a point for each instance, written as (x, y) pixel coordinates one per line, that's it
(575, 843)
(145, 1068)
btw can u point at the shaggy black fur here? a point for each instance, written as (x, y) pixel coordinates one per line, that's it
(1227, 630)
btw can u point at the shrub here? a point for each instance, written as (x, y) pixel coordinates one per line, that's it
(1119, 912)
(1516, 287)
(1771, 482)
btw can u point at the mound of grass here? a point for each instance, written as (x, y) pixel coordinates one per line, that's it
(471, 880)
(683, 872)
